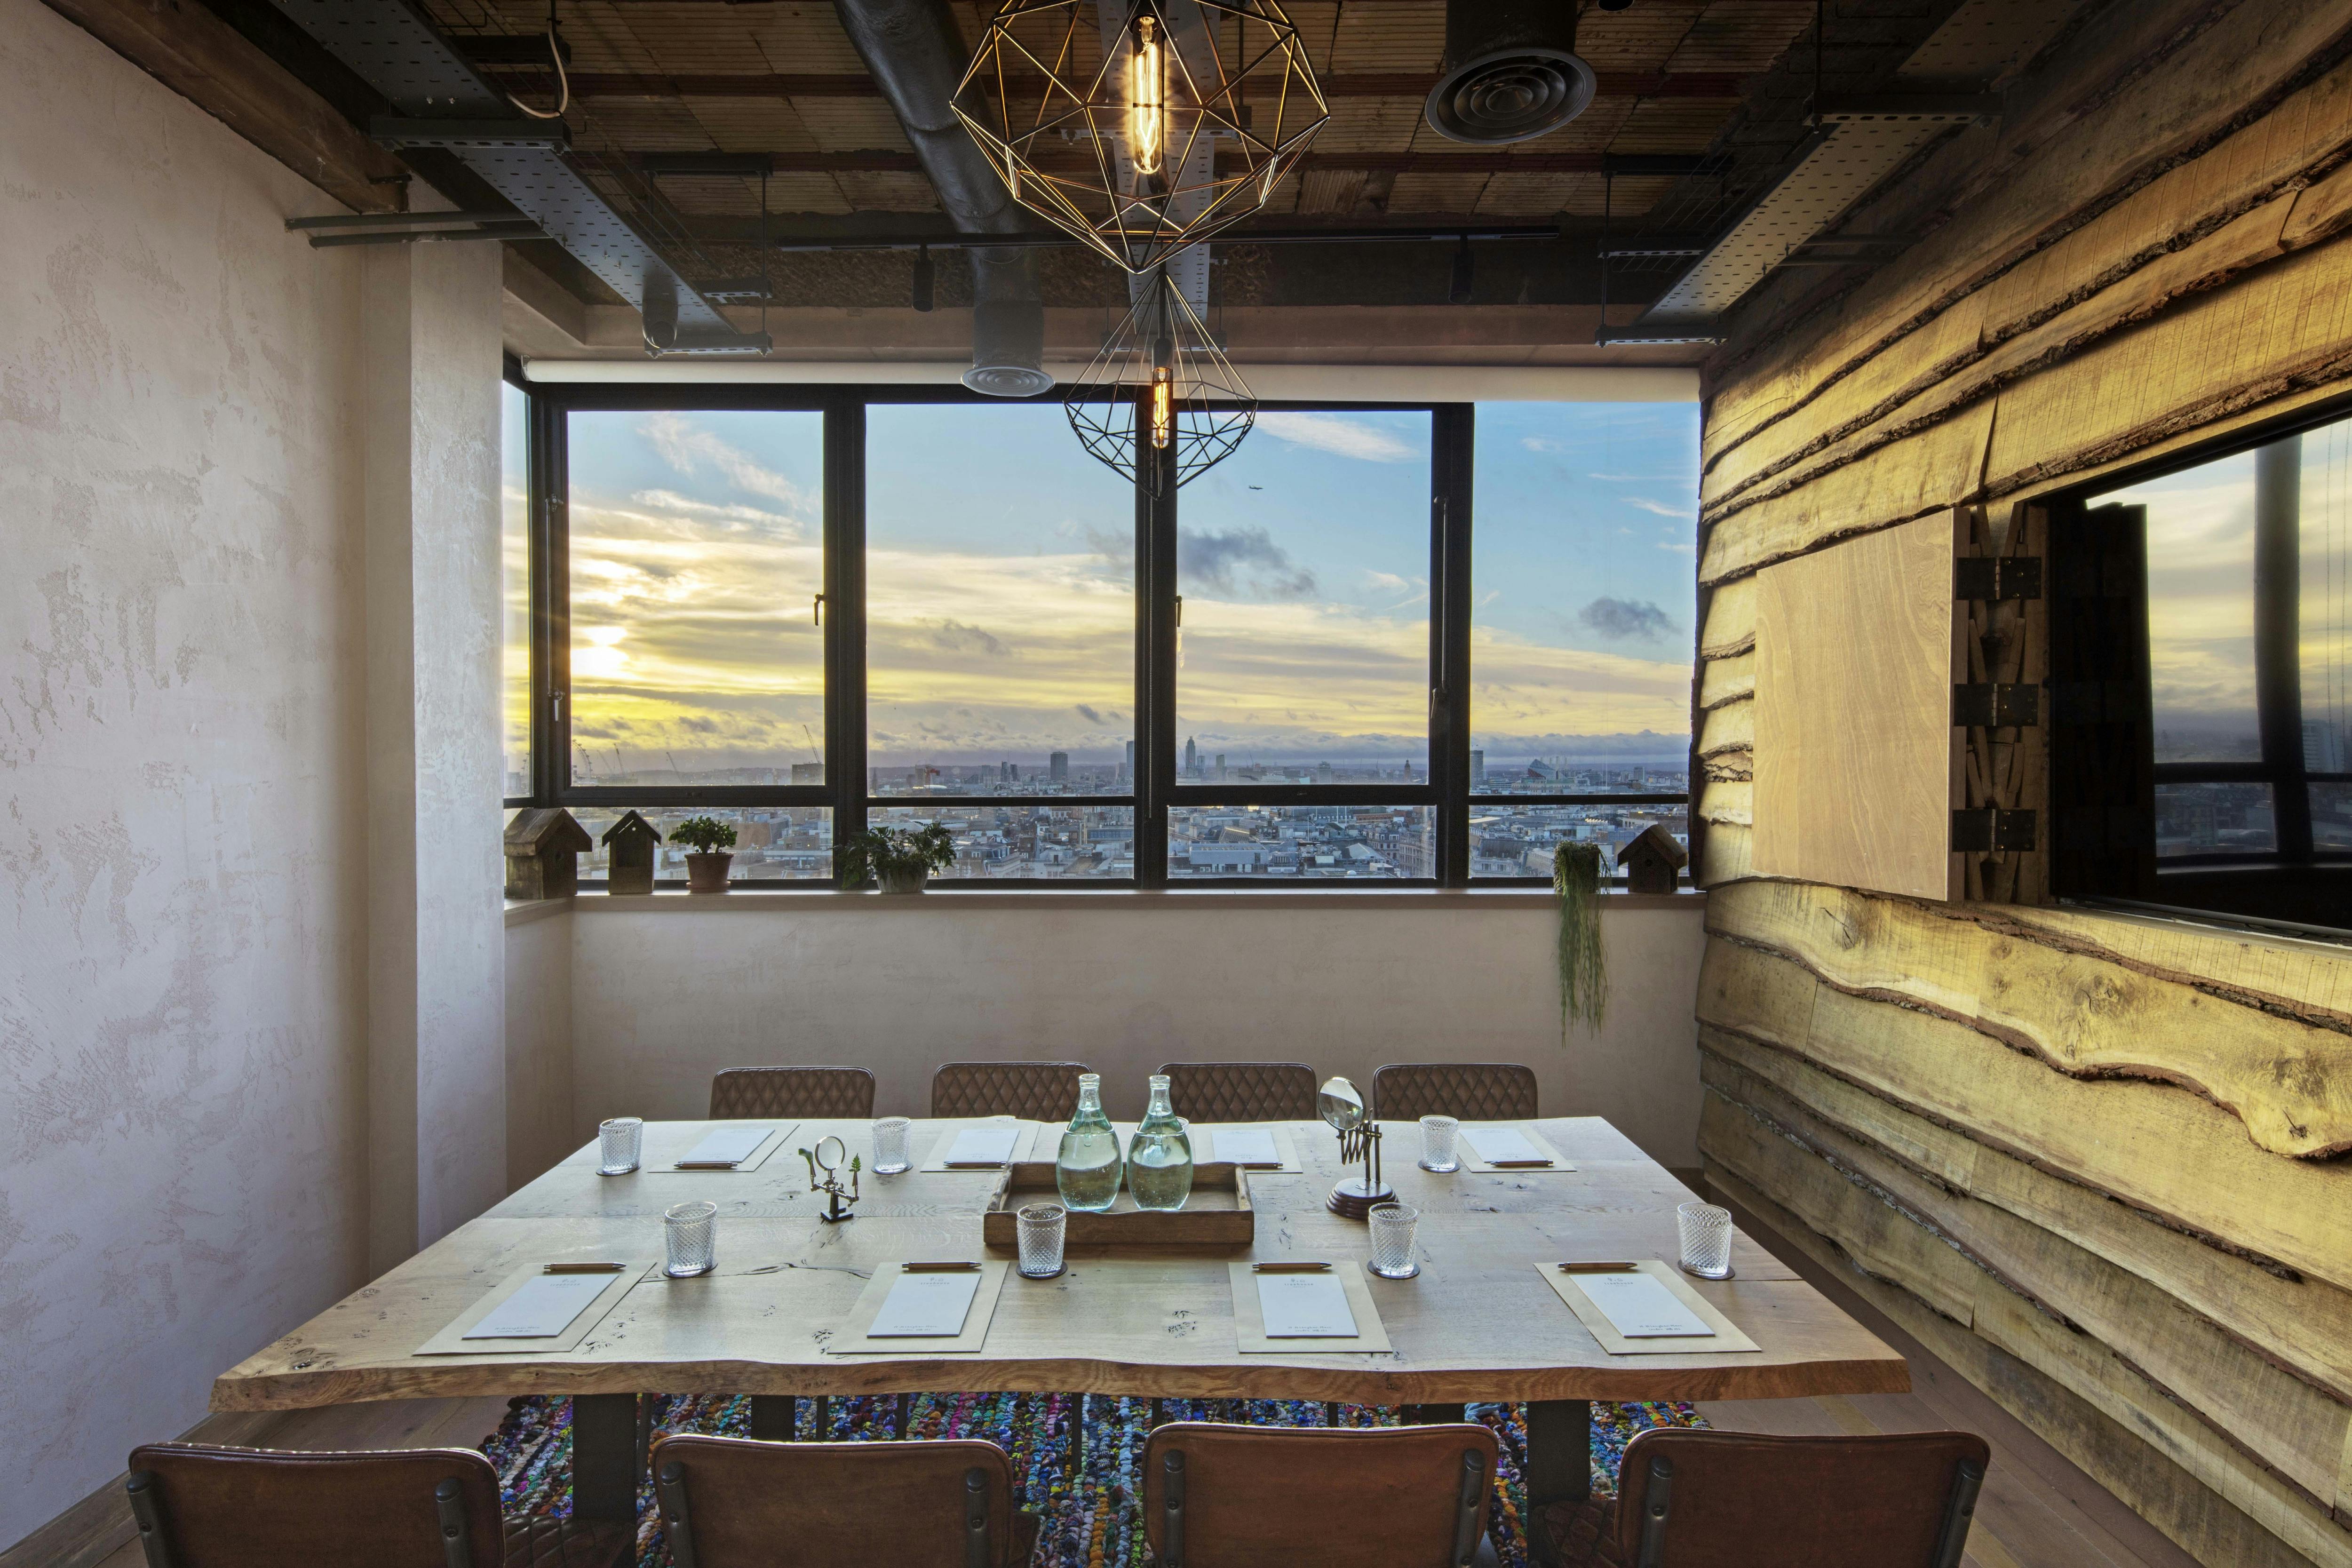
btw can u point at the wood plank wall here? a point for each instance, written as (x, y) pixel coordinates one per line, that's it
(2096, 1161)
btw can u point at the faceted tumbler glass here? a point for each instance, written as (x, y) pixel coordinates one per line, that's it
(890, 1145)
(1437, 1136)
(1707, 1240)
(1043, 1228)
(1392, 1227)
(618, 1141)
(687, 1232)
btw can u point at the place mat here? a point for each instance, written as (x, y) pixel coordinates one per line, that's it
(1024, 1135)
(1249, 1317)
(780, 1135)
(1473, 1161)
(452, 1341)
(854, 1340)
(1726, 1339)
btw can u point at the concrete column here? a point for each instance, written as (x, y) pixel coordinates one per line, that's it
(437, 1053)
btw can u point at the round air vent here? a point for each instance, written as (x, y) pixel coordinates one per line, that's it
(1008, 379)
(1008, 332)
(1511, 72)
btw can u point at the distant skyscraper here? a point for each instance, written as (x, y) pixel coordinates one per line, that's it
(1477, 767)
(2323, 746)
(1221, 764)
(1192, 759)
(1128, 772)
(1058, 767)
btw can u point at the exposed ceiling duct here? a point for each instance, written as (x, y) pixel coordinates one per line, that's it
(1512, 72)
(916, 55)
(441, 101)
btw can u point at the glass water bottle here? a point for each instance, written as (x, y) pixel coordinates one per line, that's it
(1087, 1169)
(1160, 1156)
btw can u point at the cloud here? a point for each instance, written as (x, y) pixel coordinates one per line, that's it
(1544, 444)
(1090, 716)
(1212, 559)
(1674, 549)
(1338, 435)
(1659, 507)
(957, 637)
(687, 448)
(1625, 618)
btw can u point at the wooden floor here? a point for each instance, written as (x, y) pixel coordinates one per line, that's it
(2037, 1510)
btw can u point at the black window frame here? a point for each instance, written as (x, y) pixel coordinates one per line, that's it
(1155, 785)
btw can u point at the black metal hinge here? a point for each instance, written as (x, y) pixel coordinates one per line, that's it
(1996, 706)
(1997, 578)
(1982, 831)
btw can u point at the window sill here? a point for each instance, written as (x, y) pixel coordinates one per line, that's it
(811, 901)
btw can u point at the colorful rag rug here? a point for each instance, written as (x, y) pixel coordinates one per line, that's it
(1091, 1519)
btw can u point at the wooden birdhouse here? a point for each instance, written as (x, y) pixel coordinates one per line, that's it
(543, 849)
(1650, 861)
(630, 843)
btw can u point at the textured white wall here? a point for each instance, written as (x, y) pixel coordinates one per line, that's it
(539, 1040)
(182, 982)
(662, 998)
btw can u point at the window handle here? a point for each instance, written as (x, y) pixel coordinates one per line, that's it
(817, 609)
(557, 698)
(1180, 609)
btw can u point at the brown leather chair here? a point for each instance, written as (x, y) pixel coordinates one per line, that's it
(1474, 1091)
(740, 1093)
(199, 1506)
(1242, 1091)
(1731, 1499)
(730, 1502)
(1270, 1496)
(1033, 1091)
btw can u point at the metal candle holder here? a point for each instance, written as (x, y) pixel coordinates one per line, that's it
(1360, 1139)
(829, 1152)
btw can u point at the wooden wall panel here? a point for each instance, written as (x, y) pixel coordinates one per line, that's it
(1855, 756)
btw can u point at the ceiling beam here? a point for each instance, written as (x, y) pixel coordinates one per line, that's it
(885, 161)
(750, 84)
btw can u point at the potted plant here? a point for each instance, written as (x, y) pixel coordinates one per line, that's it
(897, 859)
(706, 870)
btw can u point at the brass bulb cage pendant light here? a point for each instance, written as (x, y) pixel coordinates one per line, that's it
(1141, 142)
(1161, 401)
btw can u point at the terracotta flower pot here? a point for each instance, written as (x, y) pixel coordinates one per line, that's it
(708, 873)
(902, 881)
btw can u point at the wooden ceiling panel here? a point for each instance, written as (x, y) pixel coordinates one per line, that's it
(1671, 125)
(1370, 125)
(1639, 38)
(640, 125)
(1436, 193)
(753, 125)
(887, 191)
(851, 124)
(1741, 36)
(1525, 195)
(695, 38)
(1388, 36)
(807, 194)
(705, 196)
(1331, 193)
(801, 37)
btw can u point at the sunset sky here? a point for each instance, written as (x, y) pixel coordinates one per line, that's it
(1000, 587)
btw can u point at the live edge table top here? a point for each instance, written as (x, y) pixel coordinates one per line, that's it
(1479, 1323)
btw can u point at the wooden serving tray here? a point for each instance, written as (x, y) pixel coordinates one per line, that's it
(1218, 1213)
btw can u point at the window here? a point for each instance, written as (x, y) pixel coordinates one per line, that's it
(2242, 675)
(514, 595)
(811, 611)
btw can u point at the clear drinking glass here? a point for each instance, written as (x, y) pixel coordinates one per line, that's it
(688, 1231)
(1707, 1240)
(618, 1141)
(1392, 1228)
(1043, 1228)
(890, 1144)
(1437, 1136)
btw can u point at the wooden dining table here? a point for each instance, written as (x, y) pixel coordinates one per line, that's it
(1479, 1322)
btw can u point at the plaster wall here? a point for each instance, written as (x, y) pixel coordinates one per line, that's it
(662, 997)
(538, 1040)
(183, 893)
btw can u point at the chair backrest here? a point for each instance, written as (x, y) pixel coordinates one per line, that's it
(1730, 1499)
(199, 1506)
(1272, 1497)
(1034, 1091)
(1242, 1091)
(726, 1502)
(741, 1092)
(1474, 1091)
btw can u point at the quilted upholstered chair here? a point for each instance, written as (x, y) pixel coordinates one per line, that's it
(202, 1506)
(739, 1093)
(726, 1502)
(1474, 1091)
(1270, 1496)
(1242, 1091)
(1734, 1499)
(1033, 1091)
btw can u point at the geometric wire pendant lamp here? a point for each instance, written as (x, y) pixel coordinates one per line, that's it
(1162, 398)
(1145, 127)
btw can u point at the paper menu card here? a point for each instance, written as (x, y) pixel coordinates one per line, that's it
(1640, 1307)
(1514, 1144)
(983, 1146)
(542, 1308)
(1502, 1143)
(1244, 1146)
(862, 1332)
(725, 1146)
(1305, 1307)
(925, 1306)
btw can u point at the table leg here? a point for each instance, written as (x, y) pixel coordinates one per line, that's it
(1433, 1414)
(1560, 1462)
(775, 1418)
(606, 1456)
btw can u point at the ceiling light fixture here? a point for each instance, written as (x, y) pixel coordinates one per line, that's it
(1144, 137)
(1161, 399)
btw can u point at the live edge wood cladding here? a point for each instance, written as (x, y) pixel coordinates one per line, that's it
(2102, 1163)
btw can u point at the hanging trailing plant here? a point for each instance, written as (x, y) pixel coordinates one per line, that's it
(1583, 982)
